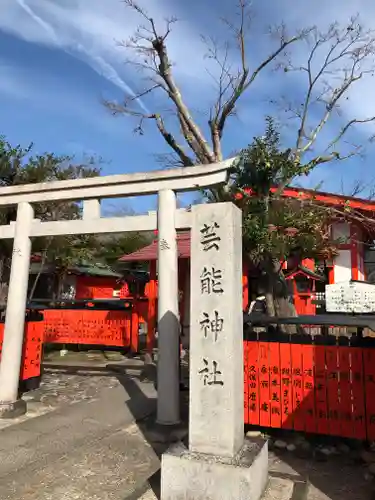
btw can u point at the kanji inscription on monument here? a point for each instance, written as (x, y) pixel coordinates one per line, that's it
(212, 324)
(216, 348)
(210, 238)
(210, 373)
(211, 281)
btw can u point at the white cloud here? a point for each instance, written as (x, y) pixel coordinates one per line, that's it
(74, 29)
(47, 94)
(38, 20)
(90, 30)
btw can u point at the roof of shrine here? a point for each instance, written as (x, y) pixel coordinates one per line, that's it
(150, 252)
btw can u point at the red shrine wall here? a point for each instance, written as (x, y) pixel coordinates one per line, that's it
(349, 263)
(89, 287)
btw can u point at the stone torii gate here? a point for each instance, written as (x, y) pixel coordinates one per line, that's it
(165, 184)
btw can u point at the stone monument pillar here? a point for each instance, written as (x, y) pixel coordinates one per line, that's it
(220, 463)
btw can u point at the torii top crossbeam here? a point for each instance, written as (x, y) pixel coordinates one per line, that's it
(91, 190)
(115, 186)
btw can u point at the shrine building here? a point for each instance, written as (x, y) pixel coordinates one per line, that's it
(354, 259)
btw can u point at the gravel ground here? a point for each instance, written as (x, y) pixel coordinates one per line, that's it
(335, 479)
(335, 469)
(59, 387)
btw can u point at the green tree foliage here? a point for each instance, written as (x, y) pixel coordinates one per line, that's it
(18, 166)
(274, 227)
(110, 249)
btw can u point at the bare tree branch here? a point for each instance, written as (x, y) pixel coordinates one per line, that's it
(359, 188)
(345, 129)
(337, 58)
(245, 82)
(189, 138)
(346, 214)
(149, 44)
(342, 56)
(318, 160)
(169, 138)
(244, 78)
(157, 45)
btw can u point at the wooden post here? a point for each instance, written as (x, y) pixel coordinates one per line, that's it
(134, 336)
(245, 286)
(151, 315)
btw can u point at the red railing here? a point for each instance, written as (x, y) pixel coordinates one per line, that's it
(97, 327)
(117, 328)
(323, 389)
(32, 349)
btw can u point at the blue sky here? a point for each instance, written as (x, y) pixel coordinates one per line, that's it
(60, 58)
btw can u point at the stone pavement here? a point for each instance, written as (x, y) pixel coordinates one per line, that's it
(80, 441)
(75, 378)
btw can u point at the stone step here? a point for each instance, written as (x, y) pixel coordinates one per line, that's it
(149, 495)
(286, 487)
(146, 492)
(279, 488)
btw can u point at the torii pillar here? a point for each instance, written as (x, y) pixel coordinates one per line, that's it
(168, 404)
(10, 405)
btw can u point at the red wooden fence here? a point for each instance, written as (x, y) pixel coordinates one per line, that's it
(117, 328)
(32, 350)
(97, 327)
(294, 384)
(324, 389)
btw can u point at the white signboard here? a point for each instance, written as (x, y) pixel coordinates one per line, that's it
(350, 298)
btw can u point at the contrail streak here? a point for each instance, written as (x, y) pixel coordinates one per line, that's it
(106, 69)
(100, 65)
(47, 27)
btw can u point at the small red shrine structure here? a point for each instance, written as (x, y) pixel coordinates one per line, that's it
(149, 254)
(303, 283)
(355, 258)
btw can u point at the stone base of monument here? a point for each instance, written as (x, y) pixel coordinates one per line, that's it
(13, 410)
(196, 476)
(165, 434)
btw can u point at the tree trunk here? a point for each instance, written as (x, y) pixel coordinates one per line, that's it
(37, 277)
(275, 289)
(42, 263)
(4, 280)
(61, 283)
